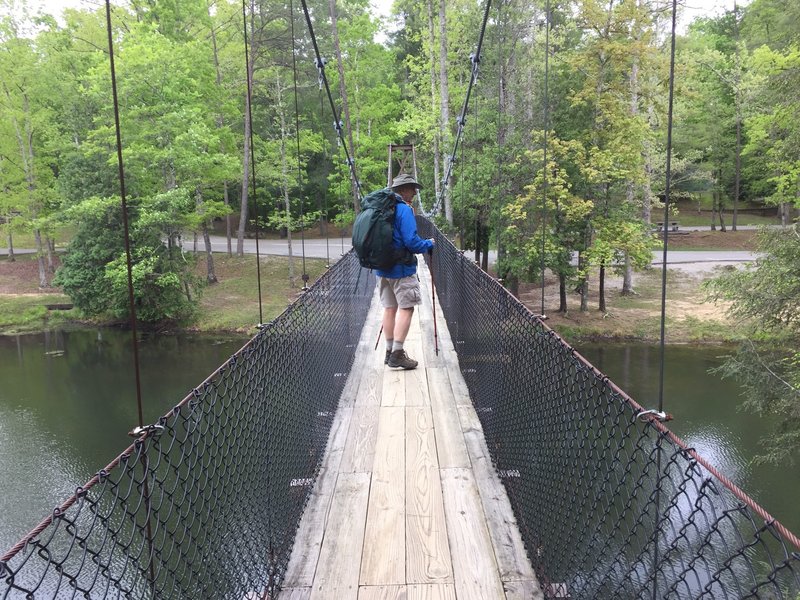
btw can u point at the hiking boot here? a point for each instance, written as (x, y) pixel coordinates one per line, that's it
(399, 358)
(388, 354)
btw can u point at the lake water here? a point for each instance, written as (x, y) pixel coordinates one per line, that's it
(67, 401)
(706, 416)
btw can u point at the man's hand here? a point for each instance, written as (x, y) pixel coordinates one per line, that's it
(433, 243)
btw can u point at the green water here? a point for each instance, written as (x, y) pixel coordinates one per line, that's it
(68, 400)
(706, 416)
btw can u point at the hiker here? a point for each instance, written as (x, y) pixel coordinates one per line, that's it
(398, 285)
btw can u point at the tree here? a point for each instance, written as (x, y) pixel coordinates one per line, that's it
(765, 299)
(94, 270)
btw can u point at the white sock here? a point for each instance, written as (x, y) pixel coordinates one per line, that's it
(397, 346)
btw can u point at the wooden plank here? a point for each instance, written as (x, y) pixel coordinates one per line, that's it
(359, 450)
(308, 541)
(417, 393)
(383, 559)
(301, 593)
(382, 592)
(432, 591)
(450, 447)
(427, 552)
(512, 560)
(369, 391)
(523, 590)
(337, 570)
(474, 567)
(393, 392)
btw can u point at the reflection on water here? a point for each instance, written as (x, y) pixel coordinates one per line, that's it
(706, 416)
(67, 401)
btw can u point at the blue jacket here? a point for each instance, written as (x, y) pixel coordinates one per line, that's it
(405, 234)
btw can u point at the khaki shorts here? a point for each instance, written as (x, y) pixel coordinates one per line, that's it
(402, 293)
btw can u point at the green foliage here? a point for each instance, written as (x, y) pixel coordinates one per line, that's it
(766, 298)
(94, 270)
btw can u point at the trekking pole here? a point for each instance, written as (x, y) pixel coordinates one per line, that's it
(433, 306)
(378, 341)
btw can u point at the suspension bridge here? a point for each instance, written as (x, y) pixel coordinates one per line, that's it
(505, 466)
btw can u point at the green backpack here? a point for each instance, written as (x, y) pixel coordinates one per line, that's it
(372, 232)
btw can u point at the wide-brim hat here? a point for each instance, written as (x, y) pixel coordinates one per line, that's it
(405, 179)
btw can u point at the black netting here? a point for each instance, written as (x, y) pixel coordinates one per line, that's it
(207, 505)
(587, 479)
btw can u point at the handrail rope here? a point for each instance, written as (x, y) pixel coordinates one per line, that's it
(664, 288)
(248, 66)
(478, 222)
(475, 59)
(337, 123)
(297, 139)
(131, 301)
(546, 125)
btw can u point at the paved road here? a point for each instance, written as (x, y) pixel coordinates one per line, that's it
(686, 260)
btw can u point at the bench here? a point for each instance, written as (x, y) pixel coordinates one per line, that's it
(673, 226)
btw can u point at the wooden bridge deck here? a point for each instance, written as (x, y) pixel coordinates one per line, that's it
(407, 505)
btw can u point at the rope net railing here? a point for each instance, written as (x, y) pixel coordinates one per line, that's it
(579, 464)
(206, 502)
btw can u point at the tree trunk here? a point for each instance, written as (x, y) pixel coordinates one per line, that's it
(444, 100)
(627, 278)
(436, 134)
(485, 257)
(220, 124)
(713, 209)
(562, 293)
(211, 276)
(343, 93)
(11, 257)
(584, 285)
(245, 174)
(477, 240)
(50, 244)
(285, 183)
(43, 283)
(601, 288)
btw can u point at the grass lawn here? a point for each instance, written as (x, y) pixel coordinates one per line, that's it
(229, 305)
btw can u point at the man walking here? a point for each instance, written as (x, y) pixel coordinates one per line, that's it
(399, 286)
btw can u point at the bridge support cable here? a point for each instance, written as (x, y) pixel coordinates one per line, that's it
(148, 530)
(249, 101)
(297, 140)
(338, 126)
(662, 339)
(546, 131)
(461, 120)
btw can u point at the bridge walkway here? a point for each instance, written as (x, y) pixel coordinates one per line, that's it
(407, 504)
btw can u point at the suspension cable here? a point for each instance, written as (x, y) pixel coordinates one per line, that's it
(131, 300)
(297, 139)
(475, 59)
(248, 66)
(546, 126)
(337, 123)
(664, 289)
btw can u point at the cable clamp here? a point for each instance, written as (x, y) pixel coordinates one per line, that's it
(474, 58)
(654, 415)
(153, 430)
(320, 63)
